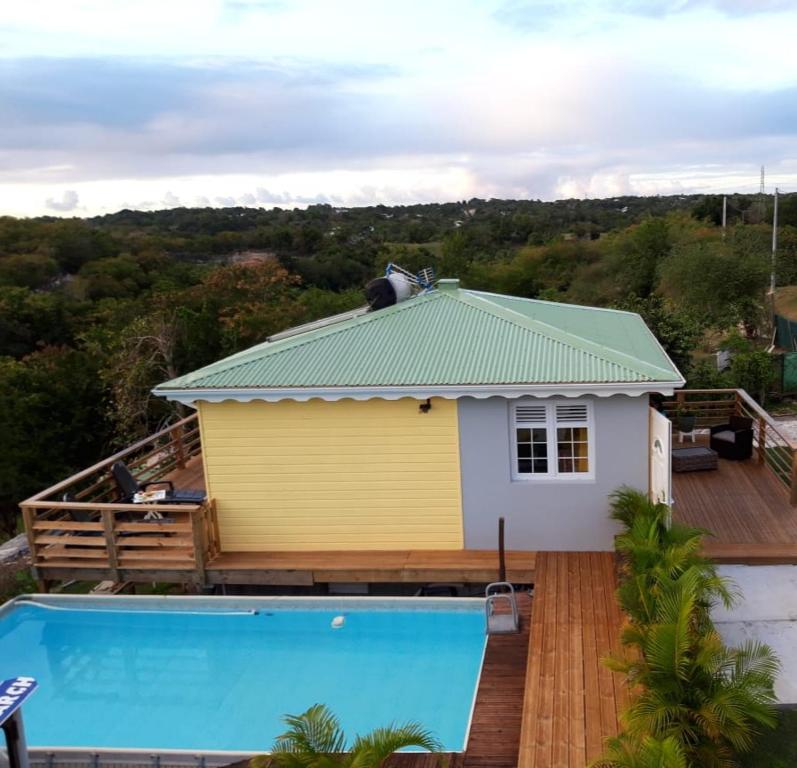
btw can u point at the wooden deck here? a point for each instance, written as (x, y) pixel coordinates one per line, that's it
(330, 567)
(396, 566)
(192, 475)
(495, 728)
(572, 701)
(744, 506)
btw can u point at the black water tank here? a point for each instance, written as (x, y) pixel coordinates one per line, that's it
(380, 293)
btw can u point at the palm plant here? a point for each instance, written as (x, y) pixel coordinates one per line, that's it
(713, 700)
(315, 739)
(655, 552)
(645, 752)
(696, 701)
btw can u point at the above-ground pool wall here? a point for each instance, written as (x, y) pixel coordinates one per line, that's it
(548, 514)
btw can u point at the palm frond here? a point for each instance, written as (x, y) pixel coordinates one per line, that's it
(316, 731)
(373, 749)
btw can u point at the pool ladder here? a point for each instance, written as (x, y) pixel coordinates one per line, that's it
(503, 623)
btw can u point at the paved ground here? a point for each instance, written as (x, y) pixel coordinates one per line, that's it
(788, 426)
(767, 611)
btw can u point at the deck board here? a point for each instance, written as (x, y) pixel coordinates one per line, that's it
(398, 566)
(192, 475)
(575, 623)
(744, 506)
(495, 729)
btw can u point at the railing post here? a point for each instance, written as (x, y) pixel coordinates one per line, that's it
(29, 517)
(762, 441)
(793, 479)
(179, 447)
(108, 524)
(737, 403)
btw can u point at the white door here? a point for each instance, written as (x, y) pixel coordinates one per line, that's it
(660, 458)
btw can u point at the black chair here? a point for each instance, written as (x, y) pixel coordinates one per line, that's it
(129, 487)
(79, 515)
(733, 440)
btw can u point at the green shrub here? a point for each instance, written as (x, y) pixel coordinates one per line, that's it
(696, 702)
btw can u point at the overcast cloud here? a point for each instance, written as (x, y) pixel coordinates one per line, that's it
(113, 103)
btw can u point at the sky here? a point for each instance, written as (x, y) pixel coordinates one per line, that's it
(148, 104)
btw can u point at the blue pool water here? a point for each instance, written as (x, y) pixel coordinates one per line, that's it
(206, 680)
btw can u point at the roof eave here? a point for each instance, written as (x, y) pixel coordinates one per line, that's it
(449, 392)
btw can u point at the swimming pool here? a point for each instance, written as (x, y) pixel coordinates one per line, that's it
(211, 674)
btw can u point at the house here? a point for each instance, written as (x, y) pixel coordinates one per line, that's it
(416, 426)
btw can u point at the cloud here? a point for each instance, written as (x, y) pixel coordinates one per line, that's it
(518, 98)
(538, 15)
(237, 7)
(68, 202)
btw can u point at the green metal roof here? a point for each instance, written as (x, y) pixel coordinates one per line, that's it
(450, 336)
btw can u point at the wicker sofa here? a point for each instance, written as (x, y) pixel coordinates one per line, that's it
(733, 440)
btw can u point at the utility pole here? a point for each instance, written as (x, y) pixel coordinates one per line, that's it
(724, 214)
(774, 244)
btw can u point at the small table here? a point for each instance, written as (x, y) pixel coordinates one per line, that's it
(693, 459)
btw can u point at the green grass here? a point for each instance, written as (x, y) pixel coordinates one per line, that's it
(786, 407)
(778, 749)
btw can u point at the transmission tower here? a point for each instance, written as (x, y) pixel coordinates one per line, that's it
(762, 197)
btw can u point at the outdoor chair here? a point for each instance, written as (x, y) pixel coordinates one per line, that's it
(129, 487)
(78, 515)
(733, 440)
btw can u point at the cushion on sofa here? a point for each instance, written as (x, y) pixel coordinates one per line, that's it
(726, 436)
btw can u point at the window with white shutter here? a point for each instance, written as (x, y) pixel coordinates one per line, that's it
(552, 440)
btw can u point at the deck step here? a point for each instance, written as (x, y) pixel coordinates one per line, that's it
(751, 554)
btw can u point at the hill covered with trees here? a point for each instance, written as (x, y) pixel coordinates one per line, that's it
(95, 312)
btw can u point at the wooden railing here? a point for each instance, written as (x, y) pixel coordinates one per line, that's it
(78, 528)
(716, 406)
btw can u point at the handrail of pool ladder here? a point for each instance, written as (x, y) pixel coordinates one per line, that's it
(500, 623)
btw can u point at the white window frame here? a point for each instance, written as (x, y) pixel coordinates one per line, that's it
(553, 474)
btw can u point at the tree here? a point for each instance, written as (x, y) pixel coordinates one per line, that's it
(677, 330)
(636, 253)
(754, 372)
(52, 422)
(29, 270)
(315, 739)
(720, 283)
(145, 356)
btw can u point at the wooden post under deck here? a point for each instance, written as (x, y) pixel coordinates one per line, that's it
(28, 517)
(199, 519)
(110, 542)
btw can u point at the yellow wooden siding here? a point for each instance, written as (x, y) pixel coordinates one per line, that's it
(372, 474)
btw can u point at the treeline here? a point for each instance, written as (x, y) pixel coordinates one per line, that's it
(95, 312)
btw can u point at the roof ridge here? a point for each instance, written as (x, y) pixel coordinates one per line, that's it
(569, 304)
(285, 345)
(565, 337)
